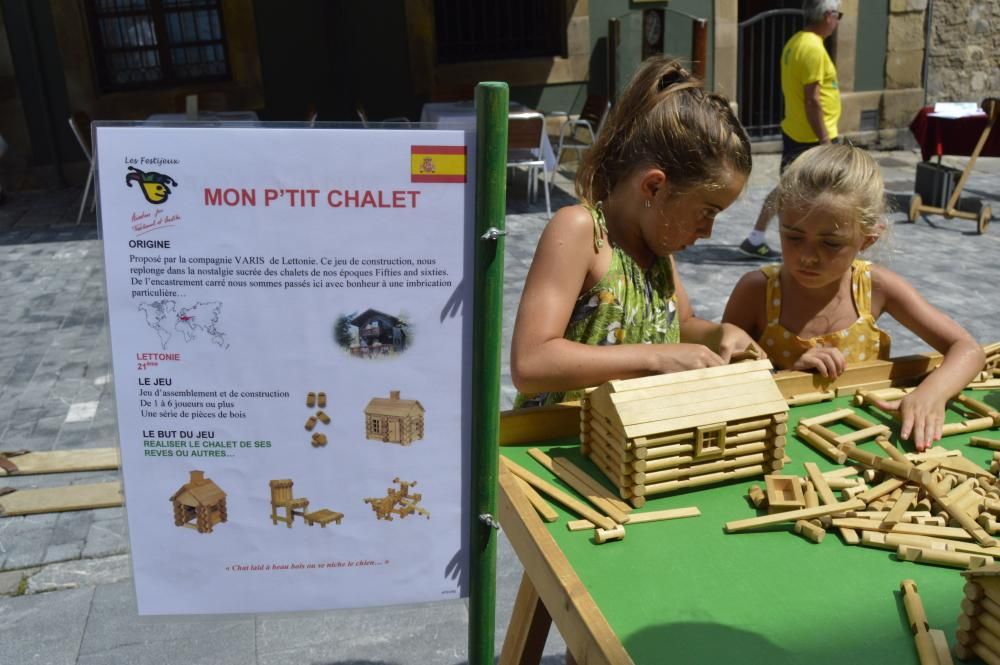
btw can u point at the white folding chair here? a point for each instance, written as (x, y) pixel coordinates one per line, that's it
(79, 122)
(525, 134)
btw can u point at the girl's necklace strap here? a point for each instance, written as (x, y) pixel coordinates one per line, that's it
(600, 228)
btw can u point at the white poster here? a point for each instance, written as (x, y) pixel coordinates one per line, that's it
(291, 337)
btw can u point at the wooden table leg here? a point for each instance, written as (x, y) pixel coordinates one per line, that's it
(528, 629)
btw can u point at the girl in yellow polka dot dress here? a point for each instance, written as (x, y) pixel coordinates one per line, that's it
(818, 310)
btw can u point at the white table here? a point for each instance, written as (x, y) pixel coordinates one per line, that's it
(207, 116)
(463, 115)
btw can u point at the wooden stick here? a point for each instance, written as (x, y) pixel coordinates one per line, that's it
(544, 510)
(558, 495)
(983, 442)
(918, 623)
(971, 425)
(825, 418)
(966, 652)
(680, 460)
(708, 479)
(591, 482)
(694, 470)
(61, 499)
(604, 535)
(60, 461)
(820, 444)
(596, 499)
(902, 504)
(811, 398)
(953, 559)
(981, 408)
(792, 515)
(640, 518)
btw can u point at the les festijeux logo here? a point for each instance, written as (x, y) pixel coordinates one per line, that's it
(155, 187)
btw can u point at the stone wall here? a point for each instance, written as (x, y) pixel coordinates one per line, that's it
(964, 58)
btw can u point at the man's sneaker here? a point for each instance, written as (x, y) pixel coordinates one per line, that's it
(761, 251)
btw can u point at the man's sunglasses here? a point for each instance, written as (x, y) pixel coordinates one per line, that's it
(839, 15)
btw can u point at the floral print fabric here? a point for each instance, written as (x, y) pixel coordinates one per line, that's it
(628, 305)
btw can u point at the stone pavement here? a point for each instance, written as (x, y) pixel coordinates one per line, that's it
(65, 593)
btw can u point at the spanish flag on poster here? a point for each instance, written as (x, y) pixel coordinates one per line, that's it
(437, 163)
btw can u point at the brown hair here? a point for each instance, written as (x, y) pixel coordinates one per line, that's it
(846, 172)
(664, 119)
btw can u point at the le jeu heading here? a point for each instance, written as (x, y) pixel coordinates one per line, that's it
(311, 198)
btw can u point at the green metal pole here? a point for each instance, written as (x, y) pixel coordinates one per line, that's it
(487, 314)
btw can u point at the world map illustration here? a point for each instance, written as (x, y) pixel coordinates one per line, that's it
(166, 318)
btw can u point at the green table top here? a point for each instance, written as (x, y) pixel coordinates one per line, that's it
(684, 591)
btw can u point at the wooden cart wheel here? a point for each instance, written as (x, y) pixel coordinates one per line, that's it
(984, 218)
(915, 202)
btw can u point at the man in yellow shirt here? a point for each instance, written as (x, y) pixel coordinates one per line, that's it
(812, 104)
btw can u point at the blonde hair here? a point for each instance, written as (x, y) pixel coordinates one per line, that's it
(664, 119)
(846, 173)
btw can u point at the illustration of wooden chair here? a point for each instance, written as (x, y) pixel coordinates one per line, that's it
(281, 497)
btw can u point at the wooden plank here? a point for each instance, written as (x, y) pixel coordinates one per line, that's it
(626, 385)
(573, 610)
(528, 628)
(545, 511)
(558, 495)
(706, 415)
(725, 384)
(639, 518)
(898, 370)
(541, 423)
(62, 499)
(793, 515)
(64, 461)
(594, 484)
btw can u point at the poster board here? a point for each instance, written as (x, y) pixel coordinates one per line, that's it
(249, 270)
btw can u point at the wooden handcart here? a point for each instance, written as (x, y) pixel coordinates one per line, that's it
(991, 106)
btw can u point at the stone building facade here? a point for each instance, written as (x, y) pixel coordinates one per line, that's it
(964, 56)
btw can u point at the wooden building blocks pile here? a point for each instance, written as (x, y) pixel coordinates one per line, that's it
(936, 507)
(670, 432)
(398, 502)
(979, 623)
(317, 401)
(977, 415)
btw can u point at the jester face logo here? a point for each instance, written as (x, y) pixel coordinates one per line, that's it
(154, 186)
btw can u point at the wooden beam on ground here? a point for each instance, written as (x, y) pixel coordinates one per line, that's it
(61, 499)
(61, 461)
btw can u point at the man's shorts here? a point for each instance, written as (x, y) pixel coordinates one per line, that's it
(791, 149)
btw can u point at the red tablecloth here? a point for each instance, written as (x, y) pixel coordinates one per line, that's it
(952, 136)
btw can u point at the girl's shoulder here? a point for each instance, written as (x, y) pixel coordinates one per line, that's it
(753, 282)
(575, 222)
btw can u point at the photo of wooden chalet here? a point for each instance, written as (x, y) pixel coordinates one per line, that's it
(378, 334)
(199, 501)
(671, 432)
(394, 420)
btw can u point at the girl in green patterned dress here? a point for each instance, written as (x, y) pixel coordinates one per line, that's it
(603, 299)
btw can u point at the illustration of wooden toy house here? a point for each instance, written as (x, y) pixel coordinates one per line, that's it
(379, 333)
(394, 420)
(199, 500)
(979, 623)
(669, 432)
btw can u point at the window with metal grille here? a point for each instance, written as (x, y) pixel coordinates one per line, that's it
(156, 43)
(468, 30)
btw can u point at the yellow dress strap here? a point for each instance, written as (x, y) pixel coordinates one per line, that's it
(773, 295)
(861, 286)
(600, 227)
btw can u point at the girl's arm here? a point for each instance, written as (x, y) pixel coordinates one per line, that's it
(922, 410)
(541, 359)
(746, 306)
(725, 338)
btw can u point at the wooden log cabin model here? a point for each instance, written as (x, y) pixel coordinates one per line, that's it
(394, 420)
(664, 433)
(199, 504)
(979, 623)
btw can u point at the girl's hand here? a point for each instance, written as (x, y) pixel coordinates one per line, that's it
(828, 361)
(681, 357)
(733, 339)
(921, 414)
